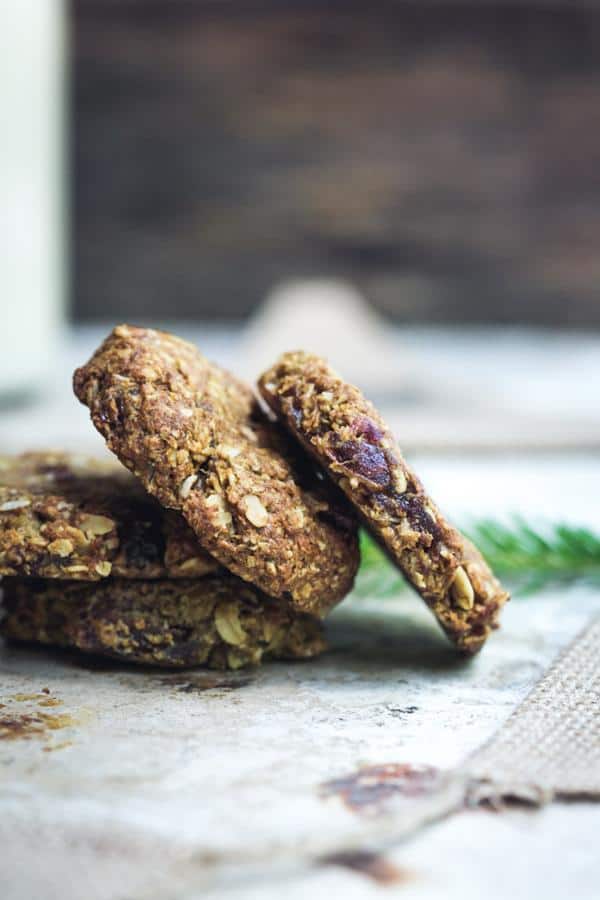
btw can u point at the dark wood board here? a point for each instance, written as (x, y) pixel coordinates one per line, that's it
(446, 157)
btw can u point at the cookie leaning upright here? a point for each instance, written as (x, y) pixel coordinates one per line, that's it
(345, 433)
(197, 440)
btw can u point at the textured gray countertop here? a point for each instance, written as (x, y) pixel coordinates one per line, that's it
(125, 784)
(170, 785)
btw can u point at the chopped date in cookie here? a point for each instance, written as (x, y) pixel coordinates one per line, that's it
(362, 460)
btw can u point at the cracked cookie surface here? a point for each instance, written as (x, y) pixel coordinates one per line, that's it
(347, 436)
(68, 516)
(217, 621)
(198, 441)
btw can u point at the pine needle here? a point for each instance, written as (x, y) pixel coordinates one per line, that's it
(525, 557)
(558, 554)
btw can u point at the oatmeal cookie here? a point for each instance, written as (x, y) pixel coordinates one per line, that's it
(198, 441)
(71, 517)
(216, 621)
(348, 437)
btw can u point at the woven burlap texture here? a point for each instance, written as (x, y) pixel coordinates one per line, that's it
(550, 746)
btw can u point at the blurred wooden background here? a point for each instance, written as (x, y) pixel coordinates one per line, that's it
(446, 157)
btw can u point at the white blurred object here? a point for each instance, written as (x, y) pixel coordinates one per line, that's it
(32, 76)
(332, 319)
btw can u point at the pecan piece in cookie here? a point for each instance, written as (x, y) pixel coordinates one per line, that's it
(347, 436)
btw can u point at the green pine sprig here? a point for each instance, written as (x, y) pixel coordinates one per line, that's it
(526, 557)
(535, 558)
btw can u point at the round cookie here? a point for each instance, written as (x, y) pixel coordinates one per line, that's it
(348, 437)
(198, 441)
(68, 516)
(216, 621)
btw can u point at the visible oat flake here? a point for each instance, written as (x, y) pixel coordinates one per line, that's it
(227, 622)
(61, 547)
(221, 515)
(96, 525)
(9, 505)
(254, 511)
(187, 485)
(462, 590)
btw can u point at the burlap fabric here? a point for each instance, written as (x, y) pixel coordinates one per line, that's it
(550, 746)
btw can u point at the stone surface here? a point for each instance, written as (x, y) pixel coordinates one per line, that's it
(160, 785)
(212, 780)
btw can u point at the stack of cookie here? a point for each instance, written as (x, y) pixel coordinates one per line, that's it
(93, 562)
(236, 532)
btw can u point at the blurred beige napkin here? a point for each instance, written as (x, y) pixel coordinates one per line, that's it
(439, 389)
(329, 318)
